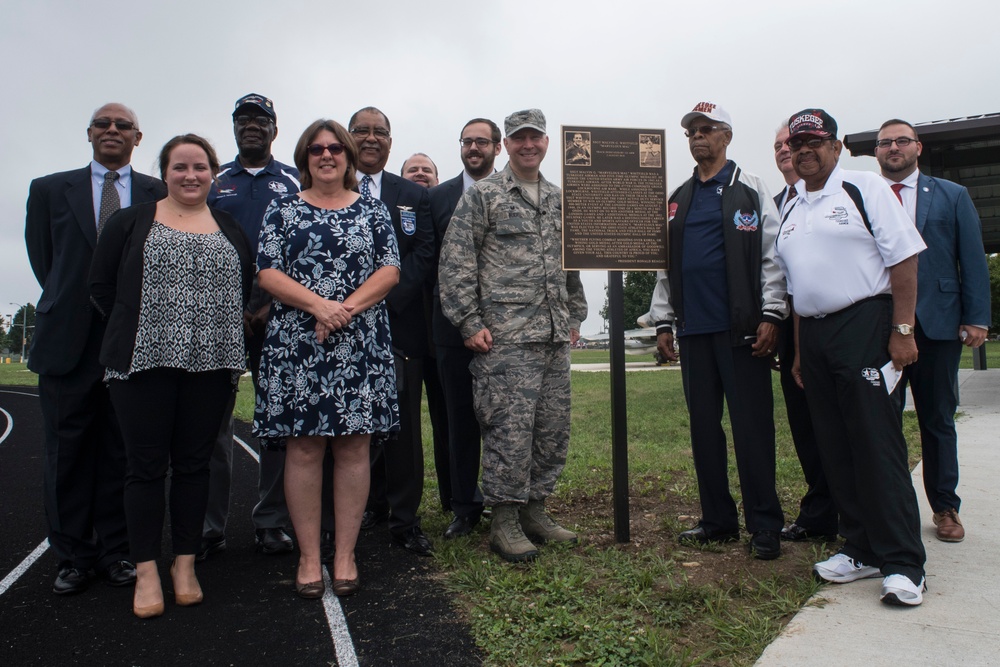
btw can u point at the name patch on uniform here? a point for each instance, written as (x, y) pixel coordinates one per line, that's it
(279, 187)
(872, 375)
(746, 222)
(839, 215)
(407, 220)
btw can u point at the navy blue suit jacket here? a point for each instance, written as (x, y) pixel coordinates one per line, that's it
(444, 201)
(60, 234)
(953, 281)
(416, 255)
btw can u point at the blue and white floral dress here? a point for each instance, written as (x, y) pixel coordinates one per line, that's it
(345, 384)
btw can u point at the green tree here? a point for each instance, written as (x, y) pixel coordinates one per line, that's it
(637, 292)
(23, 321)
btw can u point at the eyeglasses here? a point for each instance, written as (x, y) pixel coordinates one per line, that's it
(105, 123)
(902, 142)
(259, 121)
(379, 132)
(478, 141)
(813, 142)
(317, 149)
(701, 129)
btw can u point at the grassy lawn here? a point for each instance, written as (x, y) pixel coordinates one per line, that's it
(649, 602)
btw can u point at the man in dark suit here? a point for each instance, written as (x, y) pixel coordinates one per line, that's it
(953, 308)
(420, 169)
(480, 145)
(84, 454)
(398, 464)
(817, 517)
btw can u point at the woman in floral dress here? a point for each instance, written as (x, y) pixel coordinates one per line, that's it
(329, 257)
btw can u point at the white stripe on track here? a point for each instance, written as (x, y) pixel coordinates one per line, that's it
(10, 425)
(248, 448)
(16, 573)
(343, 645)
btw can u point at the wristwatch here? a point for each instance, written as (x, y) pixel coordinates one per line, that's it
(904, 329)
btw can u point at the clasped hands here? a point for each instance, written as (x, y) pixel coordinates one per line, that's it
(331, 316)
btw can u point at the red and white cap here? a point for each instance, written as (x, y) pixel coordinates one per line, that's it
(709, 110)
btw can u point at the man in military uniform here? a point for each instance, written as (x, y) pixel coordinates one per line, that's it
(502, 284)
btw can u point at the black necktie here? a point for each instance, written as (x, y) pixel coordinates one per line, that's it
(110, 201)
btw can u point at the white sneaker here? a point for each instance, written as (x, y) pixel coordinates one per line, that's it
(842, 569)
(898, 589)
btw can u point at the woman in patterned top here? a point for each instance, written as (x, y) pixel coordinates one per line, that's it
(329, 257)
(171, 278)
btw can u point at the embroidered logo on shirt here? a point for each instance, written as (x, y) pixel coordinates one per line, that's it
(746, 222)
(718, 190)
(279, 187)
(872, 375)
(787, 230)
(407, 220)
(227, 192)
(839, 215)
(672, 211)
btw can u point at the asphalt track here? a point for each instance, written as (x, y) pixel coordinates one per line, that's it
(250, 615)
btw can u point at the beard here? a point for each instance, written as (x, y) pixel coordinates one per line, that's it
(897, 167)
(484, 168)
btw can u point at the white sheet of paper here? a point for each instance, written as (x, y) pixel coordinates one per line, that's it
(891, 376)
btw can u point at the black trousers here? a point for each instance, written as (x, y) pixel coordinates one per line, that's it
(464, 437)
(859, 436)
(438, 410)
(84, 464)
(169, 419)
(712, 369)
(933, 382)
(397, 481)
(817, 513)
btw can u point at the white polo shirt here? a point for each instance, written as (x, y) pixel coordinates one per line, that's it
(829, 257)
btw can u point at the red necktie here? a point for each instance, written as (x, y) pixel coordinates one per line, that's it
(896, 187)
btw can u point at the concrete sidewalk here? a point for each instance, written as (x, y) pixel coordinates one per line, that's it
(959, 620)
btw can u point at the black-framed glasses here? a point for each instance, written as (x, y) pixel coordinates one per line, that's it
(259, 121)
(811, 142)
(105, 123)
(902, 142)
(317, 149)
(701, 129)
(379, 132)
(478, 141)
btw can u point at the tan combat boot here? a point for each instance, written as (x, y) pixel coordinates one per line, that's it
(540, 527)
(506, 537)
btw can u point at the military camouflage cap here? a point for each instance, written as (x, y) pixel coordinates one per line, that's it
(533, 118)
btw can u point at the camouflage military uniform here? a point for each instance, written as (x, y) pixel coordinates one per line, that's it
(501, 269)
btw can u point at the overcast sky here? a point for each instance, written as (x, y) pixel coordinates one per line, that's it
(432, 66)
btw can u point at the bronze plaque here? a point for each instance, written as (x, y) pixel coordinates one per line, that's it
(614, 199)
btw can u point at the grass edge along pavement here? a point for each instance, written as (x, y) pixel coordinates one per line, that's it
(650, 602)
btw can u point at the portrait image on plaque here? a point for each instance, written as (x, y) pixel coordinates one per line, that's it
(578, 149)
(649, 151)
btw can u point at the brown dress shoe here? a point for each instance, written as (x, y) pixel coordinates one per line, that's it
(949, 526)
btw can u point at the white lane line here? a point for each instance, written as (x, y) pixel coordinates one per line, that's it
(10, 425)
(248, 448)
(17, 393)
(16, 573)
(343, 645)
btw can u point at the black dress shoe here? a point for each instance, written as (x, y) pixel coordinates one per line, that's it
(413, 539)
(273, 541)
(70, 581)
(700, 536)
(209, 546)
(796, 533)
(327, 547)
(765, 545)
(119, 573)
(460, 526)
(371, 518)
